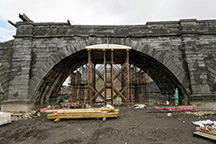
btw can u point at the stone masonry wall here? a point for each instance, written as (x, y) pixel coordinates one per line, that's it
(200, 48)
(185, 47)
(6, 50)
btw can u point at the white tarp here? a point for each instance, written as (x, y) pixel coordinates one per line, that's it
(202, 123)
(139, 106)
(107, 46)
(108, 106)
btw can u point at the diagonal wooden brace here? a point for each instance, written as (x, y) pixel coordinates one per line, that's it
(119, 72)
(120, 93)
(98, 93)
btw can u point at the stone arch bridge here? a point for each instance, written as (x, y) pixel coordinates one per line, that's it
(178, 54)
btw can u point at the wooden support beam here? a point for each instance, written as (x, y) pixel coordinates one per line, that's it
(112, 76)
(89, 77)
(93, 78)
(72, 87)
(128, 78)
(79, 87)
(105, 79)
(85, 91)
(76, 76)
(131, 85)
(137, 89)
(13, 24)
(24, 18)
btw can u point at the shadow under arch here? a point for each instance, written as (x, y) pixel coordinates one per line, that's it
(53, 80)
(162, 76)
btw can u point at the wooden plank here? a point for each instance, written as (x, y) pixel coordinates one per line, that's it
(206, 129)
(70, 116)
(99, 112)
(82, 110)
(82, 115)
(213, 137)
(17, 114)
(88, 113)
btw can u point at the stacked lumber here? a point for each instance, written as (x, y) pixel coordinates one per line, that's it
(82, 113)
(206, 131)
(5, 118)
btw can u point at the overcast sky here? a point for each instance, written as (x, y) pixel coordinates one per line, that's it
(106, 12)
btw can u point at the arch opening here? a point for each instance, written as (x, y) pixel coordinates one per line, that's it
(76, 64)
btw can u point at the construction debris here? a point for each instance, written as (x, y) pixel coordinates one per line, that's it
(207, 128)
(203, 123)
(82, 113)
(169, 114)
(5, 118)
(200, 113)
(139, 106)
(27, 115)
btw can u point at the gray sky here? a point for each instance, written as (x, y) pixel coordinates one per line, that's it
(106, 12)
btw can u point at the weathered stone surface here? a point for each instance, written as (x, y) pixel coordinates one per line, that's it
(6, 50)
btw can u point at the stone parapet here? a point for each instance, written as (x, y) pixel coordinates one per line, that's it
(151, 29)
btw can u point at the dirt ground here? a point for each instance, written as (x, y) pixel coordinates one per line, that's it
(133, 126)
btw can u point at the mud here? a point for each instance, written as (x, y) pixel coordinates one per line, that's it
(133, 126)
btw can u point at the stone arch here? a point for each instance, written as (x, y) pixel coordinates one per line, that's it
(50, 76)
